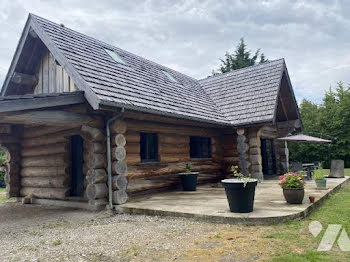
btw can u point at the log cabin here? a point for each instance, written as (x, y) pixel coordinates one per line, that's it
(89, 124)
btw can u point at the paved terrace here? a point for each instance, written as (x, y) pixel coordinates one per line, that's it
(210, 204)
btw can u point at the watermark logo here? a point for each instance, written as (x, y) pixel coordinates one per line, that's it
(330, 236)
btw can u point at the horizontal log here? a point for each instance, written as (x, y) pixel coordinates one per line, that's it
(45, 150)
(46, 182)
(118, 126)
(171, 168)
(118, 153)
(174, 157)
(96, 191)
(96, 176)
(132, 158)
(49, 193)
(8, 139)
(119, 182)
(173, 139)
(132, 148)
(120, 197)
(133, 136)
(44, 171)
(42, 130)
(47, 161)
(47, 117)
(24, 79)
(230, 153)
(58, 137)
(92, 133)
(174, 149)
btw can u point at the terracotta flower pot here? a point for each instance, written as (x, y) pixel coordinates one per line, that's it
(294, 195)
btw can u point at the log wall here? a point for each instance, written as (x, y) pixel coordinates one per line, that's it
(173, 155)
(46, 168)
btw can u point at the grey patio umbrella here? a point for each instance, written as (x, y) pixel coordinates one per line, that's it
(304, 138)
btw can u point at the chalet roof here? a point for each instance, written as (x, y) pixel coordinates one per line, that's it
(245, 96)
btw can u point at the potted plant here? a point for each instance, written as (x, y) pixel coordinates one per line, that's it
(319, 177)
(293, 187)
(189, 179)
(240, 191)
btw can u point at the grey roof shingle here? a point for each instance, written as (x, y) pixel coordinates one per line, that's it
(239, 97)
(246, 95)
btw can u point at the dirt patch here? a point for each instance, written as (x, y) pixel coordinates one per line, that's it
(35, 233)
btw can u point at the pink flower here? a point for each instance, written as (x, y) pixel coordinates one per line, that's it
(281, 177)
(283, 181)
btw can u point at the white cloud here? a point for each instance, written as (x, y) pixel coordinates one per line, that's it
(190, 36)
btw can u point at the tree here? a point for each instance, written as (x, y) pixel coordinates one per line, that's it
(240, 59)
(330, 118)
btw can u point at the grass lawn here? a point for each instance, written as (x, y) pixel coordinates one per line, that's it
(346, 171)
(297, 244)
(3, 197)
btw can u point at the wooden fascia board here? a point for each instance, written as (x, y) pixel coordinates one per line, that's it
(278, 93)
(16, 56)
(39, 102)
(81, 84)
(293, 95)
(46, 117)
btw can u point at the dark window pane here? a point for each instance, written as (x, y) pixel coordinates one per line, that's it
(148, 147)
(200, 147)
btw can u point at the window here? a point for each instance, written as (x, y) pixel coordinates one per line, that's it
(170, 77)
(115, 56)
(200, 147)
(149, 147)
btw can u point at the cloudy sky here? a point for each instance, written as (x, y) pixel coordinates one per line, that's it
(190, 36)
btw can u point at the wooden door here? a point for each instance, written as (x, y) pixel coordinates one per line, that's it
(268, 157)
(77, 155)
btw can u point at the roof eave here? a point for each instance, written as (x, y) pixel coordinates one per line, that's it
(162, 113)
(16, 56)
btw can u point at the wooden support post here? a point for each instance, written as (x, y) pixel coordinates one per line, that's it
(243, 148)
(119, 166)
(255, 154)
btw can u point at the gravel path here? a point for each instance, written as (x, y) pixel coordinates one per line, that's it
(35, 233)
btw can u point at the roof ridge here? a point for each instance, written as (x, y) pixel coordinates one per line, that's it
(241, 69)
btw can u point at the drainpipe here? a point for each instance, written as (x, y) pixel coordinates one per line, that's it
(109, 161)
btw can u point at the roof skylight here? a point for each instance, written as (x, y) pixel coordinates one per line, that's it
(115, 56)
(171, 78)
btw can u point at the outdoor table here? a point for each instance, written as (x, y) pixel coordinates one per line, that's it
(309, 168)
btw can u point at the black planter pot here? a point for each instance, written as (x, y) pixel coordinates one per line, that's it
(294, 195)
(240, 198)
(189, 181)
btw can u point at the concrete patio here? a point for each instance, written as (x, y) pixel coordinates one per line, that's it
(210, 204)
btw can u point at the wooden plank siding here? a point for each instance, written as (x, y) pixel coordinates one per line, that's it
(52, 78)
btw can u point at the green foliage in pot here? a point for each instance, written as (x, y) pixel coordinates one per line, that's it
(188, 168)
(319, 174)
(238, 175)
(291, 180)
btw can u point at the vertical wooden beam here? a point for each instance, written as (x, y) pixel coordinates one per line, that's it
(45, 76)
(243, 149)
(255, 153)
